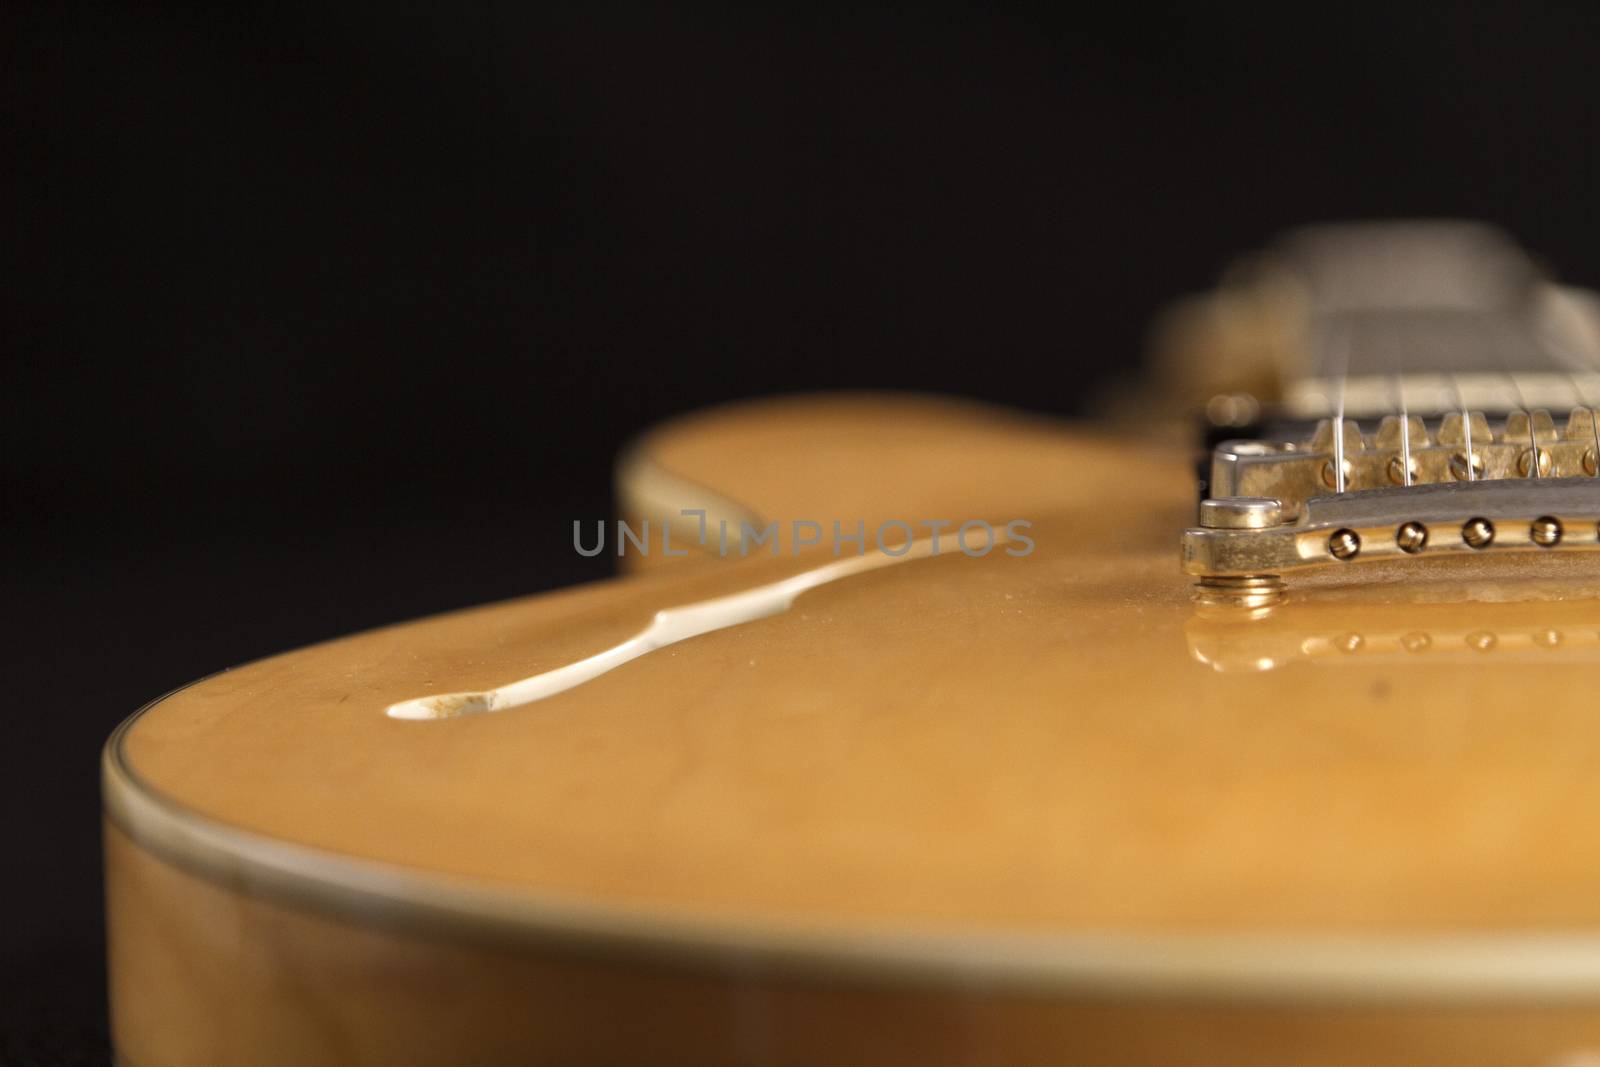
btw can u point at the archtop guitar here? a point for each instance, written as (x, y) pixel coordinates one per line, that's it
(922, 732)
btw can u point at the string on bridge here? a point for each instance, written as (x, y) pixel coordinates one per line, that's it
(1533, 437)
(1341, 352)
(1594, 417)
(1466, 422)
(1584, 400)
(1405, 426)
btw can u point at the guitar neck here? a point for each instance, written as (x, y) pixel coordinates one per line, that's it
(1432, 318)
(1378, 319)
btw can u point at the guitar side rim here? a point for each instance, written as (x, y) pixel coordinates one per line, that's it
(1522, 966)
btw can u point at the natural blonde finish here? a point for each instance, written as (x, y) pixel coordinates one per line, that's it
(914, 817)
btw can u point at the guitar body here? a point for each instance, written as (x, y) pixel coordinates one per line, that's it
(1033, 805)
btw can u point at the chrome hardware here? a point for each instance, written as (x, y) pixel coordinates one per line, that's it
(1452, 518)
(1247, 591)
(1477, 533)
(1406, 374)
(1344, 545)
(1293, 472)
(1545, 532)
(1412, 537)
(1242, 513)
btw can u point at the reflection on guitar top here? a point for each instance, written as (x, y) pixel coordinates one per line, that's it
(1415, 635)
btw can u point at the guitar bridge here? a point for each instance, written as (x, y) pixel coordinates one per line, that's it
(1408, 491)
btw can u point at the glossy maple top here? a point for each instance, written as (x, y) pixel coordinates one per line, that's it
(1052, 744)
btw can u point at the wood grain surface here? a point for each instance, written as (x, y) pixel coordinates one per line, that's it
(962, 761)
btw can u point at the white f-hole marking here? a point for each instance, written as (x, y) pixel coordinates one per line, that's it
(669, 626)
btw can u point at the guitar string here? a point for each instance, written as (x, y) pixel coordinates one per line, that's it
(1340, 355)
(1594, 416)
(1587, 402)
(1342, 350)
(1592, 359)
(1405, 420)
(1466, 421)
(1527, 409)
(1564, 356)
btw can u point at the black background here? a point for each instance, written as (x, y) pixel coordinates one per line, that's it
(317, 321)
